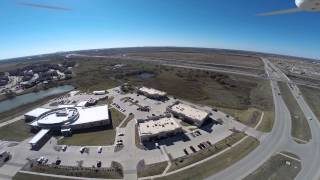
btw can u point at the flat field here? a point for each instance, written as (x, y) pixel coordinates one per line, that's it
(278, 167)
(312, 96)
(218, 58)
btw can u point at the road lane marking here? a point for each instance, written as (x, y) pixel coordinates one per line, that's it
(293, 158)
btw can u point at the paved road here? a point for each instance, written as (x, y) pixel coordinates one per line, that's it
(279, 139)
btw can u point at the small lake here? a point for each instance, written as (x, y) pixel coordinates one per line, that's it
(32, 97)
(146, 75)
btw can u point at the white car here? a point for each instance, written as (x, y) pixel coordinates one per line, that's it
(82, 150)
(99, 149)
(64, 148)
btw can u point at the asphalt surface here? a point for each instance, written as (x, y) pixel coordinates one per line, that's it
(279, 139)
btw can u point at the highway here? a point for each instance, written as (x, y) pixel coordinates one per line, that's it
(279, 139)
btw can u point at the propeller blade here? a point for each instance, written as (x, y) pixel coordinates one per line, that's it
(287, 11)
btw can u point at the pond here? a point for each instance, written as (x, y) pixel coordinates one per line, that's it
(32, 97)
(146, 75)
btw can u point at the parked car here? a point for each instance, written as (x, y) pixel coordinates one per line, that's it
(185, 152)
(99, 149)
(64, 147)
(99, 163)
(82, 149)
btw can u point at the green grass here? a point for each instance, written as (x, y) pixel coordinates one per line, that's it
(312, 96)
(23, 176)
(203, 154)
(249, 117)
(216, 164)
(267, 122)
(152, 169)
(300, 127)
(17, 131)
(98, 136)
(214, 89)
(212, 57)
(276, 169)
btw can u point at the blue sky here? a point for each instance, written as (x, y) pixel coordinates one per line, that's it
(93, 24)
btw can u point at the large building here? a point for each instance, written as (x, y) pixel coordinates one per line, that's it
(68, 119)
(156, 129)
(152, 93)
(35, 113)
(189, 114)
(73, 118)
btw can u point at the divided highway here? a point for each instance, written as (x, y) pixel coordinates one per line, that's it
(279, 139)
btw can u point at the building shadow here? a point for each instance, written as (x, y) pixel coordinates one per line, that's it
(209, 124)
(168, 141)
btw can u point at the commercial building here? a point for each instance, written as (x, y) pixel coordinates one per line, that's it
(72, 118)
(189, 114)
(40, 138)
(156, 129)
(152, 93)
(35, 113)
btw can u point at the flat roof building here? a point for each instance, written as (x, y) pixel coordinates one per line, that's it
(152, 93)
(66, 120)
(189, 113)
(35, 113)
(155, 129)
(39, 138)
(103, 92)
(73, 118)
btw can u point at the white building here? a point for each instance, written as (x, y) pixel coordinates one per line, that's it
(152, 93)
(72, 118)
(189, 114)
(155, 129)
(35, 113)
(99, 92)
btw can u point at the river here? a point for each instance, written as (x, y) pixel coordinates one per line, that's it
(32, 97)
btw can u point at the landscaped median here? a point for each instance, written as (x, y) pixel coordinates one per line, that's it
(300, 127)
(152, 169)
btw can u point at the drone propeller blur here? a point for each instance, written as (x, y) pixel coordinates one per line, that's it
(302, 5)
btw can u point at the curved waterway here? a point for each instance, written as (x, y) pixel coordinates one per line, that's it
(32, 97)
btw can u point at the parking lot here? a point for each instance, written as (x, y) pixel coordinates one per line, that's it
(130, 103)
(73, 98)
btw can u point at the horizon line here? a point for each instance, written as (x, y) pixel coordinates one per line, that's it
(128, 47)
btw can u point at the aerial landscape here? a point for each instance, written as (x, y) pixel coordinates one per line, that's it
(79, 102)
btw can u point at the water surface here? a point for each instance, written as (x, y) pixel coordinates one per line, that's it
(32, 97)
